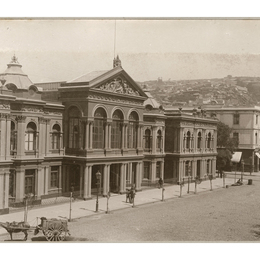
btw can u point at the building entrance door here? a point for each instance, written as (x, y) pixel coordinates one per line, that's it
(114, 178)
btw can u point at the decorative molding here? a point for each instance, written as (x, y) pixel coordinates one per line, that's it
(5, 105)
(52, 112)
(120, 86)
(20, 118)
(4, 116)
(114, 99)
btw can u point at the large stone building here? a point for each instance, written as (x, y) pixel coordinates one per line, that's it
(56, 136)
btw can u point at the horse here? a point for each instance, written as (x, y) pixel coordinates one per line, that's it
(16, 227)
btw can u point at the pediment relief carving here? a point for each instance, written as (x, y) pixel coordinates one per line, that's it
(118, 85)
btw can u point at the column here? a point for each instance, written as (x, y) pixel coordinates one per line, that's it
(154, 128)
(162, 169)
(48, 138)
(81, 188)
(106, 136)
(8, 136)
(140, 173)
(46, 180)
(2, 191)
(109, 135)
(163, 139)
(3, 137)
(41, 142)
(130, 173)
(194, 169)
(181, 140)
(61, 143)
(126, 136)
(6, 189)
(40, 182)
(87, 182)
(64, 178)
(141, 136)
(180, 170)
(137, 177)
(20, 175)
(214, 167)
(91, 135)
(123, 137)
(153, 174)
(122, 178)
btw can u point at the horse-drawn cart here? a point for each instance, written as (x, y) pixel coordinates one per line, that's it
(53, 229)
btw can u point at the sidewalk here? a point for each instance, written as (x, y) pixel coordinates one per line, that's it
(87, 208)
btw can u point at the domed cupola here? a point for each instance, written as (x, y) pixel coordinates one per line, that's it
(15, 77)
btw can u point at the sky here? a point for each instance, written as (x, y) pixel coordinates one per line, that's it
(63, 49)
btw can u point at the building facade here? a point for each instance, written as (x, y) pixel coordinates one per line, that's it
(31, 140)
(245, 125)
(57, 137)
(191, 145)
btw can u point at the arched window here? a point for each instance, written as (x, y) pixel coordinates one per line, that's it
(99, 129)
(74, 128)
(147, 139)
(188, 140)
(256, 138)
(199, 140)
(159, 140)
(30, 137)
(55, 138)
(132, 130)
(209, 140)
(13, 138)
(116, 129)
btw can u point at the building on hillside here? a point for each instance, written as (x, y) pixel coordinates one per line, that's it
(245, 125)
(190, 145)
(31, 140)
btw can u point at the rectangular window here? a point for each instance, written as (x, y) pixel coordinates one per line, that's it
(55, 141)
(158, 169)
(236, 119)
(98, 134)
(146, 170)
(236, 137)
(54, 177)
(256, 119)
(116, 135)
(29, 184)
(29, 141)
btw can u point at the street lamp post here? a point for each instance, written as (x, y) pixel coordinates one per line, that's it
(242, 169)
(98, 176)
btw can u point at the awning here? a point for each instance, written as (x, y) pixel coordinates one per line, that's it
(257, 154)
(236, 157)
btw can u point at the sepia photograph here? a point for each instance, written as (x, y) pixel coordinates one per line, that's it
(129, 130)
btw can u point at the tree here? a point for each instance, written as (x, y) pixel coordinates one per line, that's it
(226, 145)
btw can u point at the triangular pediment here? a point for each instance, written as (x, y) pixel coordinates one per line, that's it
(119, 85)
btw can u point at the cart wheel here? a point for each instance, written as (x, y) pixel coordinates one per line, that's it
(55, 233)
